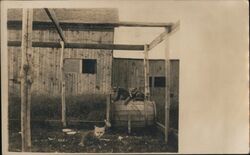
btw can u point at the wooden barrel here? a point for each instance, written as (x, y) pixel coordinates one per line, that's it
(140, 113)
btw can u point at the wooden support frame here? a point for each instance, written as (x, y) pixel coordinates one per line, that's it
(64, 119)
(16, 24)
(167, 88)
(108, 105)
(44, 25)
(137, 24)
(164, 37)
(39, 25)
(51, 14)
(146, 72)
(167, 32)
(81, 46)
(26, 79)
(129, 118)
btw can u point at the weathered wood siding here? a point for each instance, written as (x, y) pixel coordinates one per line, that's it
(71, 15)
(46, 60)
(46, 63)
(129, 73)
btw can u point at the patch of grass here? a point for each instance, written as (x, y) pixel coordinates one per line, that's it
(141, 140)
(86, 107)
(82, 107)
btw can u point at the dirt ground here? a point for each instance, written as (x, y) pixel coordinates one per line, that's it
(55, 140)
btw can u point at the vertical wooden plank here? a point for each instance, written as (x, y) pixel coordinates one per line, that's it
(110, 71)
(94, 79)
(58, 70)
(146, 72)
(19, 57)
(113, 81)
(108, 102)
(105, 71)
(10, 70)
(167, 88)
(128, 73)
(45, 65)
(26, 79)
(98, 73)
(34, 69)
(145, 113)
(81, 82)
(101, 71)
(54, 70)
(129, 119)
(40, 81)
(63, 86)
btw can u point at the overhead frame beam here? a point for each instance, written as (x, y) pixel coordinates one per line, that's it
(138, 24)
(164, 35)
(17, 24)
(45, 25)
(81, 45)
(53, 18)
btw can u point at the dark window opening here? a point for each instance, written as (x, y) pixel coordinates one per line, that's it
(150, 81)
(159, 81)
(89, 66)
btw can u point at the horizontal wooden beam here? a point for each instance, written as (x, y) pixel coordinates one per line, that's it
(17, 23)
(51, 14)
(81, 45)
(41, 25)
(141, 24)
(164, 35)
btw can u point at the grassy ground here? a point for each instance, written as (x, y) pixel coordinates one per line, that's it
(54, 140)
(50, 138)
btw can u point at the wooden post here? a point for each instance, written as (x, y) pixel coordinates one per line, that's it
(63, 86)
(167, 88)
(129, 118)
(108, 102)
(146, 72)
(26, 78)
(145, 113)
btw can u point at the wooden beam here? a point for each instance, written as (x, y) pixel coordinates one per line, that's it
(16, 24)
(164, 35)
(129, 118)
(158, 40)
(167, 88)
(63, 86)
(108, 102)
(44, 25)
(139, 24)
(82, 45)
(53, 18)
(146, 72)
(26, 78)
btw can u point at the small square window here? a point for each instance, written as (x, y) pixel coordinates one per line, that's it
(89, 66)
(159, 81)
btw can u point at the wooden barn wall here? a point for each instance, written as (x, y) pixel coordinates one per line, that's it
(46, 63)
(129, 73)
